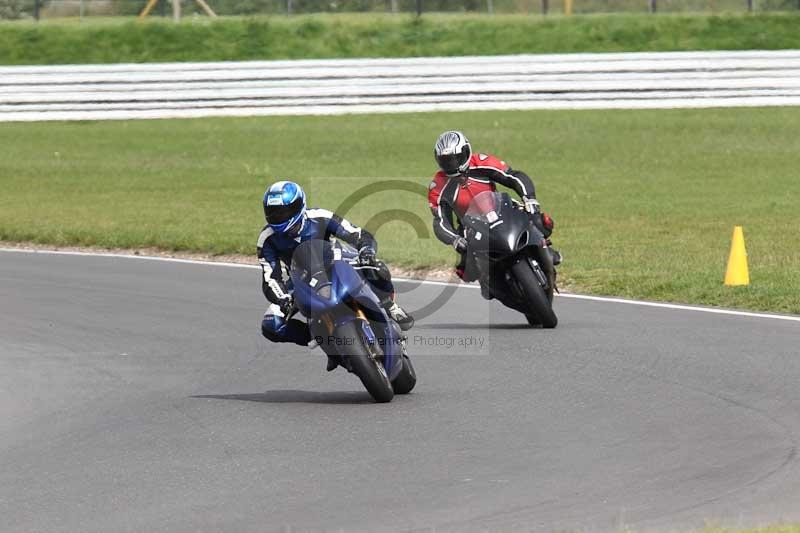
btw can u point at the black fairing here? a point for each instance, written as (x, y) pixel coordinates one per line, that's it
(499, 235)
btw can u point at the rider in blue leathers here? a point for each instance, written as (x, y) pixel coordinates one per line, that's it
(289, 223)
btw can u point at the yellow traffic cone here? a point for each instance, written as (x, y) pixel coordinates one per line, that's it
(737, 272)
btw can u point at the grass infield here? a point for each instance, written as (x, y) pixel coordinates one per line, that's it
(786, 528)
(644, 201)
(383, 35)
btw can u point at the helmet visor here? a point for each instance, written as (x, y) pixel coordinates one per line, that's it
(279, 214)
(451, 163)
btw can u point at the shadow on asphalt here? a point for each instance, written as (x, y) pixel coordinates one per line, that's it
(473, 326)
(294, 396)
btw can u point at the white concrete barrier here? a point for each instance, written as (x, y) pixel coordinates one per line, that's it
(561, 81)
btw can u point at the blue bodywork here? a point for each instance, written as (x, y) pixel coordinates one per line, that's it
(338, 291)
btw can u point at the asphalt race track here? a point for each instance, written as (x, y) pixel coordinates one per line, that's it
(139, 395)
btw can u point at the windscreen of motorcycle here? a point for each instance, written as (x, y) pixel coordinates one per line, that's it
(312, 260)
(485, 206)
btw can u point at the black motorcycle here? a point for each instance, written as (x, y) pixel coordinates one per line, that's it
(509, 255)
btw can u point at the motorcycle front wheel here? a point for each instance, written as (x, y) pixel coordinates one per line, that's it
(540, 309)
(364, 362)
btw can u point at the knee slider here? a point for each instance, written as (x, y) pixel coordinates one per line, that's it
(271, 326)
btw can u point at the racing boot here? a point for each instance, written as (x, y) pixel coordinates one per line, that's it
(486, 294)
(333, 362)
(486, 291)
(554, 254)
(557, 258)
(398, 314)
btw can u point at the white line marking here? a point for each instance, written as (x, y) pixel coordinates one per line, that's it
(130, 256)
(437, 283)
(681, 307)
(604, 299)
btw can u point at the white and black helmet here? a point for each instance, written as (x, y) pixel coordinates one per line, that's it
(452, 153)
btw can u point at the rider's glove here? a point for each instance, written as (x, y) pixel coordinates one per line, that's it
(531, 205)
(366, 256)
(287, 306)
(460, 244)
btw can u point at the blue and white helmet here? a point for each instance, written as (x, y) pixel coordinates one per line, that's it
(284, 205)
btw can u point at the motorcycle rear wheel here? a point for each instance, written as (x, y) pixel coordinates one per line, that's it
(406, 379)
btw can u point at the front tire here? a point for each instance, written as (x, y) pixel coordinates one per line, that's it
(406, 379)
(364, 364)
(540, 309)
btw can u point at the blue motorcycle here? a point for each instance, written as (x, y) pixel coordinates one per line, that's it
(346, 319)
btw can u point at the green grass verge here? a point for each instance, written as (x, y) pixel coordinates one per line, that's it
(765, 529)
(644, 201)
(371, 35)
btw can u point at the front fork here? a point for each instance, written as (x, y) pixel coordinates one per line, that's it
(540, 275)
(538, 270)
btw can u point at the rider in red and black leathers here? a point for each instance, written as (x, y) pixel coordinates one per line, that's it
(463, 176)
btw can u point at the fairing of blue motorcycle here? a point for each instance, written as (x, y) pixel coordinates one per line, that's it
(346, 319)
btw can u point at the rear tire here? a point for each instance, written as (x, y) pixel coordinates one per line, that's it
(406, 379)
(540, 309)
(368, 369)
